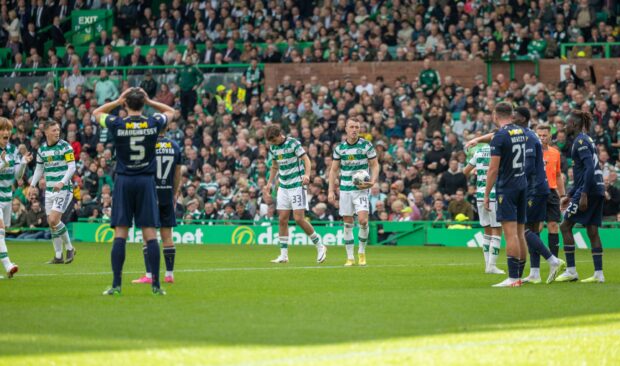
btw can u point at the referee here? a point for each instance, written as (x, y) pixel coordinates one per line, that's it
(551, 156)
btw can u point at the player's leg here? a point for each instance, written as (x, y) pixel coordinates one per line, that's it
(595, 208)
(122, 218)
(169, 253)
(486, 241)
(283, 217)
(148, 276)
(9, 267)
(61, 204)
(495, 230)
(56, 239)
(361, 207)
(300, 206)
(512, 216)
(494, 249)
(349, 243)
(147, 218)
(568, 242)
(284, 207)
(553, 217)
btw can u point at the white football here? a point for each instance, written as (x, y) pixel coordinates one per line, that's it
(361, 176)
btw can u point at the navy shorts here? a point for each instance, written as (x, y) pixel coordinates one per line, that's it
(512, 205)
(536, 208)
(167, 215)
(593, 215)
(135, 201)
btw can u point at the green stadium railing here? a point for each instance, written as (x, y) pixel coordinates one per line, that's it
(512, 67)
(606, 46)
(124, 71)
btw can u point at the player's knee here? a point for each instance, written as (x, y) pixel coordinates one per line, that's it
(565, 227)
(592, 232)
(299, 218)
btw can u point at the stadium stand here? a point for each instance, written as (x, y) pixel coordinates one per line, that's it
(206, 59)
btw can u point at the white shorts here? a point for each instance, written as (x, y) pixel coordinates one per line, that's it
(5, 215)
(57, 201)
(352, 202)
(488, 218)
(292, 199)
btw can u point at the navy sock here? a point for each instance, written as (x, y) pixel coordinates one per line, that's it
(147, 265)
(537, 245)
(554, 243)
(534, 256)
(569, 250)
(118, 259)
(152, 249)
(169, 254)
(521, 263)
(597, 258)
(513, 267)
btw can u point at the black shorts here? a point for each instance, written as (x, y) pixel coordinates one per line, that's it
(553, 207)
(135, 201)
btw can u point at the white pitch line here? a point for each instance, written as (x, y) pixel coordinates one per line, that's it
(247, 269)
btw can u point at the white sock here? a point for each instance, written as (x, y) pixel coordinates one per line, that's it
(283, 240)
(149, 275)
(316, 239)
(363, 238)
(553, 260)
(62, 231)
(486, 245)
(599, 274)
(535, 272)
(496, 243)
(57, 242)
(348, 240)
(169, 274)
(571, 270)
(4, 253)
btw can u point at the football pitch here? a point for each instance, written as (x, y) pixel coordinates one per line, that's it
(230, 306)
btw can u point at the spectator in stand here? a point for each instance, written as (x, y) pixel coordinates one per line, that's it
(452, 181)
(460, 206)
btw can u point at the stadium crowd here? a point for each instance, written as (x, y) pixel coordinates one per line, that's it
(418, 124)
(338, 30)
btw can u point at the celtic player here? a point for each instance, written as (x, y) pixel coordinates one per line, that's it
(56, 162)
(479, 164)
(288, 156)
(11, 168)
(352, 155)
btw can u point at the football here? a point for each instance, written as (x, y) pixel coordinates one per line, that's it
(361, 176)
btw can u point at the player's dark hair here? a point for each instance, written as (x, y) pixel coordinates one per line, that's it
(503, 110)
(584, 119)
(272, 132)
(346, 123)
(135, 100)
(50, 123)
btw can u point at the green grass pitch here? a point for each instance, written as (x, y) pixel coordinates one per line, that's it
(230, 306)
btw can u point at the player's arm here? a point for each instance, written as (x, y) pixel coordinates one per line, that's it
(475, 141)
(468, 169)
(38, 172)
(333, 173)
(588, 163)
(491, 178)
(176, 184)
(20, 167)
(273, 173)
(66, 179)
(307, 168)
(102, 112)
(560, 181)
(162, 108)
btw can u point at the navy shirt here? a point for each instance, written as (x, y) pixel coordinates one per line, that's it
(535, 165)
(134, 139)
(587, 173)
(168, 157)
(509, 144)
